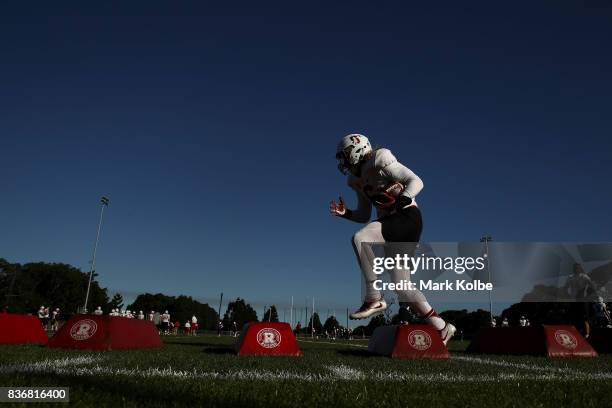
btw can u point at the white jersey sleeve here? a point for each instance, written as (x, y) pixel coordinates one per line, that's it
(395, 171)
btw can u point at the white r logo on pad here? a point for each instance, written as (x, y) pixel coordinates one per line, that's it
(83, 329)
(566, 339)
(268, 338)
(419, 340)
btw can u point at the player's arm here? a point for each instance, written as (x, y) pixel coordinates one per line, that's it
(362, 214)
(396, 171)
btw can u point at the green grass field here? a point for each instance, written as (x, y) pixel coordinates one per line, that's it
(203, 371)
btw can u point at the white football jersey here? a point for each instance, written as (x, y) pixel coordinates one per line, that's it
(378, 173)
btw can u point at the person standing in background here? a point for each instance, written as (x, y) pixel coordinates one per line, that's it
(194, 325)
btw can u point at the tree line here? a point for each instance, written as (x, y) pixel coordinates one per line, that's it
(25, 287)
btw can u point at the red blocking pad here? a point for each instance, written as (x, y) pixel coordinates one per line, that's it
(267, 339)
(566, 341)
(21, 329)
(551, 341)
(408, 341)
(106, 333)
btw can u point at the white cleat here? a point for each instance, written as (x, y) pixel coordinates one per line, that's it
(369, 309)
(447, 333)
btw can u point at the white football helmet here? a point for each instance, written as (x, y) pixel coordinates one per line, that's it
(351, 151)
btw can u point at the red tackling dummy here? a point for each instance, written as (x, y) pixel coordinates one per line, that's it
(408, 341)
(551, 341)
(21, 329)
(106, 333)
(267, 339)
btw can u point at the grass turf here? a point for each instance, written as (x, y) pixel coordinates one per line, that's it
(203, 371)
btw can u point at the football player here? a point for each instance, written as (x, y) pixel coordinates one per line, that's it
(381, 181)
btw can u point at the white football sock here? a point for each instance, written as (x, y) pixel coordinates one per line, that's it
(430, 316)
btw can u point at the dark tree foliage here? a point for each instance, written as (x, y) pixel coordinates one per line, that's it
(542, 313)
(330, 324)
(240, 312)
(24, 288)
(467, 322)
(271, 314)
(359, 331)
(117, 301)
(376, 321)
(181, 308)
(317, 323)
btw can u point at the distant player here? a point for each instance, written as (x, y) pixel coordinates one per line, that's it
(98, 311)
(581, 288)
(219, 328)
(380, 181)
(41, 316)
(194, 325)
(55, 315)
(165, 322)
(602, 314)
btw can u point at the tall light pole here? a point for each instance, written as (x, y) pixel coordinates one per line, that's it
(103, 203)
(486, 239)
(291, 313)
(312, 319)
(220, 303)
(347, 318)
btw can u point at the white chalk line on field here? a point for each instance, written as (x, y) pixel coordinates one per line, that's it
(82, 367)
(522, 366)
(480, 360)
(508, 364)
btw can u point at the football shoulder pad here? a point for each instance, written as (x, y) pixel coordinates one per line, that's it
(383, 158)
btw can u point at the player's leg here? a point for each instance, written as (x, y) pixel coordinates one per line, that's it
(406, 227)
(373, 302)
(417, 302)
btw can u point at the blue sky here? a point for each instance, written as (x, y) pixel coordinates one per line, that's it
(213, 132)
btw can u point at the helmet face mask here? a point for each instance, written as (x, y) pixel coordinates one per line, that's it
(342, 163)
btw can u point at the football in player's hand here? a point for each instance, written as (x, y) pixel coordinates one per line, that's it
(387, 197)
(395, 189)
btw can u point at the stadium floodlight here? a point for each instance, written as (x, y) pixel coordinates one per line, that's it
(104, 201)
(486, 239)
